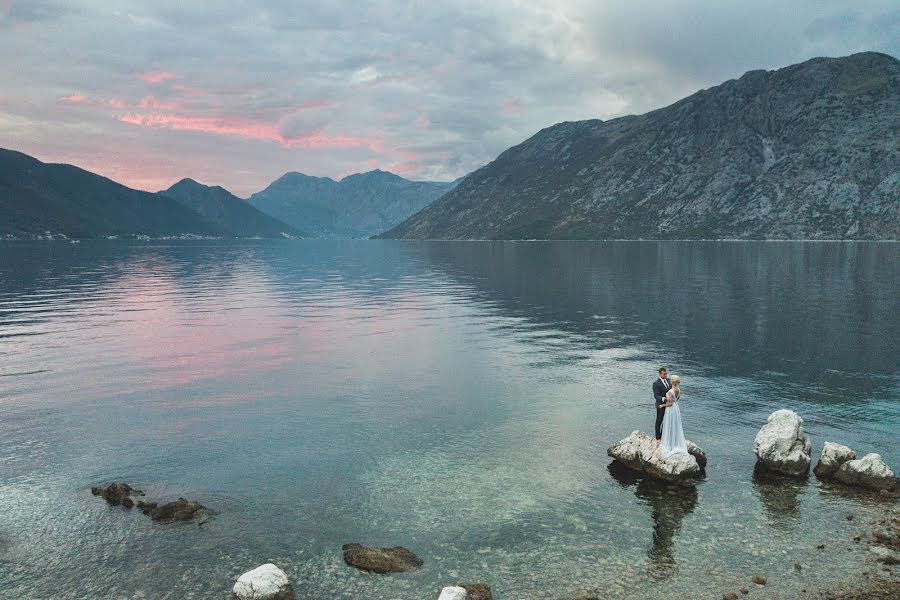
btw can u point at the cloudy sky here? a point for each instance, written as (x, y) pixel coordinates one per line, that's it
(236, 93)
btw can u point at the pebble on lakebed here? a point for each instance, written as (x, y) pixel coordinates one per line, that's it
(380, 560)
(119, 494)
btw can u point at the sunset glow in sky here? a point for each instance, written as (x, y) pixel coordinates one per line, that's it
(236, 93)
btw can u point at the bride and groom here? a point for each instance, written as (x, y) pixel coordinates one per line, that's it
(669, 434)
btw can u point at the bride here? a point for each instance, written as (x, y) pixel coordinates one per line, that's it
(672, 434)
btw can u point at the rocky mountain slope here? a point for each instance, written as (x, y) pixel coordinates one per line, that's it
(227, 211)
(810, 151)
(37, 198)
(359, 205)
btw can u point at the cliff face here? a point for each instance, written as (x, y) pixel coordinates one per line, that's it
(809, 151)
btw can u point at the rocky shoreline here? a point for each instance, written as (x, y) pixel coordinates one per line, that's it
(782, 448)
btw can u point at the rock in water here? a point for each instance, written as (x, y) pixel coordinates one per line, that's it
(832, 457)
(868, 471)
(639, 452)
(477, 591)
(452, 592)
(781, 444)
(179, 510)
(466, 591)
(380, 560)
(266, 582)
(117, 494)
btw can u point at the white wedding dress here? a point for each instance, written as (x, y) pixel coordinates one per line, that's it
(672, 434)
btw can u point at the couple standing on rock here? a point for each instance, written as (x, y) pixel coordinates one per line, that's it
(669, 433)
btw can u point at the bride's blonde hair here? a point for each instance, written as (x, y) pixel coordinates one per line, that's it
(675, 379)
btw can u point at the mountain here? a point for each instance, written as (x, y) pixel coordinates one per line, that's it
(227, 211)
(358, 205)
(37, 197)
(809, 151)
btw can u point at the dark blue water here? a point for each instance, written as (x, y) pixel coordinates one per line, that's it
(455, 398)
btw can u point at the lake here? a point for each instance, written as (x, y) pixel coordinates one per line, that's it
(456, 398)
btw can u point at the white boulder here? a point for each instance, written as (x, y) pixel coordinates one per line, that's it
(266, 582)
(781, 445)
(640, 452)
(832, 457)
(868, 471)
(453, 592)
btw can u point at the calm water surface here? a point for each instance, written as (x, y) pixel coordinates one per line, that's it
(455, 398)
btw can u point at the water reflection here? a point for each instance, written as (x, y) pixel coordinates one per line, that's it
(780, 496)
(669, 504)
(725, 309)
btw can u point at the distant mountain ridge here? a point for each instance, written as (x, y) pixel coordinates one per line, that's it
(227, 211)
(359, 205)
(809, 151)
(38, 198)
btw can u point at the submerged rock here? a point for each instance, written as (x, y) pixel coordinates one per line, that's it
(832, 457)
(868, 471)
(452, 592)
(885, 555)
(781, 445)
(120, 493)
(380, 560)
(477, 591)
(179, 510)
(266, 582)
(640, 452)
(117, 494)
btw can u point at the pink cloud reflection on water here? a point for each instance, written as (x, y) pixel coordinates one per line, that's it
(168, 343)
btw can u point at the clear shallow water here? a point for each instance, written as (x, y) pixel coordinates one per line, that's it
(455, 398)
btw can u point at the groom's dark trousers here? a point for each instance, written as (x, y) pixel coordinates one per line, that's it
(659, 397)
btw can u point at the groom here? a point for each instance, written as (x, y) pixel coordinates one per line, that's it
(660, 388)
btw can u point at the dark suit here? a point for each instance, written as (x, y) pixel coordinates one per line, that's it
(659, 397)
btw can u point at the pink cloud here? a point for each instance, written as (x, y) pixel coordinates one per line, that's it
(151, 102)
(444, 67)
(73, 99)
(240, 127)
(157, 76)
(115, 103)
(512, 105)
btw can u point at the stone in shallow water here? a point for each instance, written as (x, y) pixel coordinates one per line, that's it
(885, 555)
(639, 452)
(781, 445)
(266, 582)
(380, 560)
(832, 457)
(452, 592)
(869, 471)
(179, 510)
(477, 591)
(117, 494)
